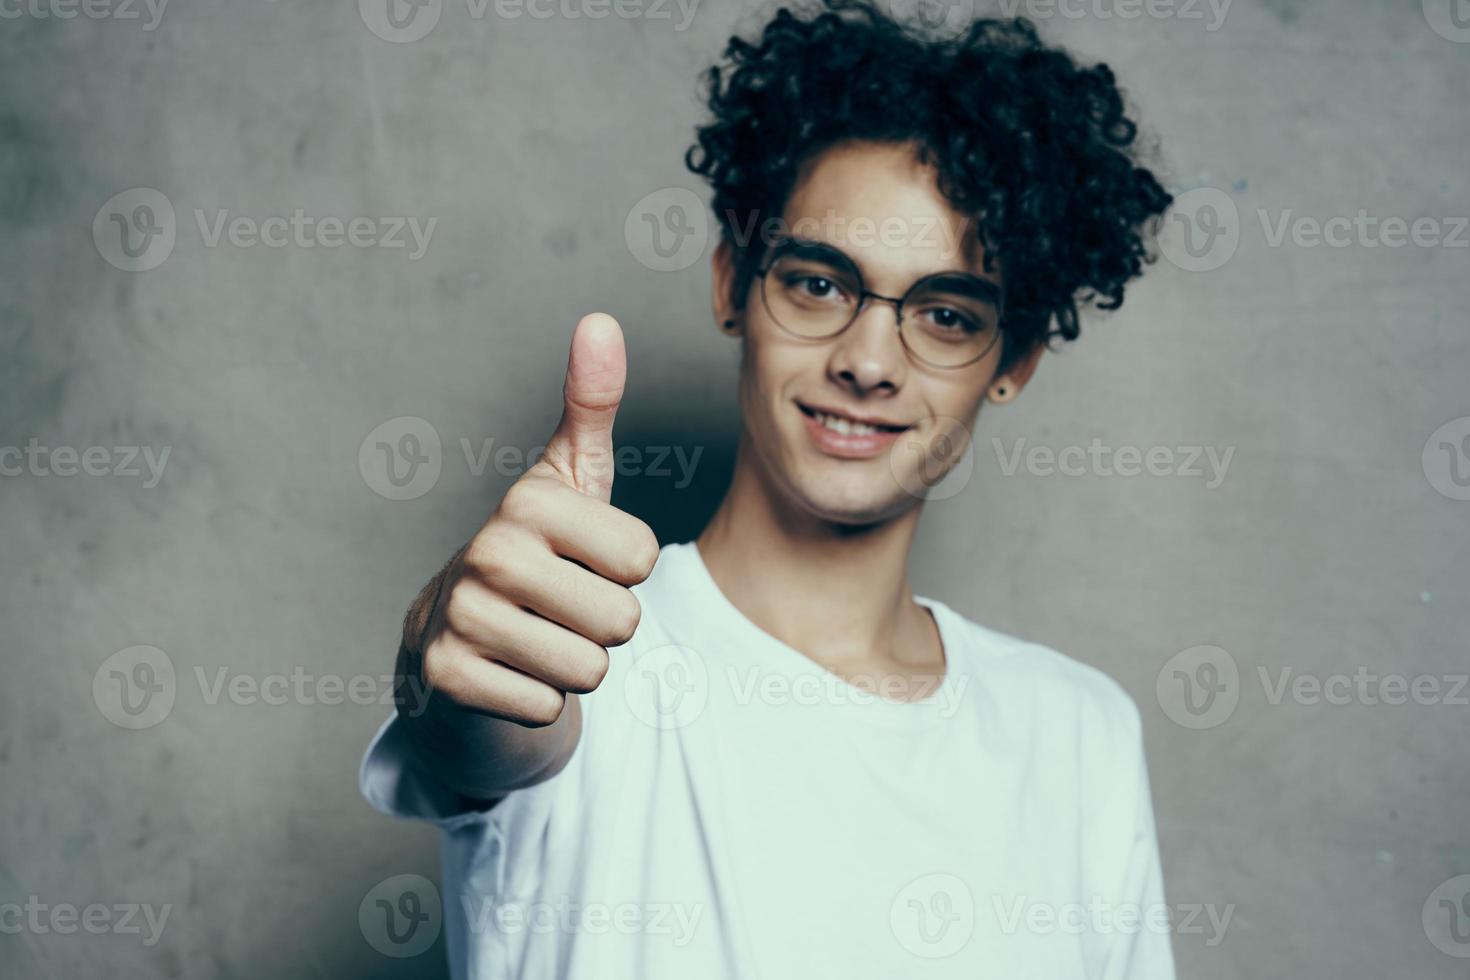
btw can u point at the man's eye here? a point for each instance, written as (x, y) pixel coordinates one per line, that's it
(947, 319)
(814, 287)
(817, 286)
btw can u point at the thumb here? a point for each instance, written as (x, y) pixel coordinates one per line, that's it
(580, 452)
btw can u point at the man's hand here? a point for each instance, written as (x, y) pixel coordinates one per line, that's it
(525, 612)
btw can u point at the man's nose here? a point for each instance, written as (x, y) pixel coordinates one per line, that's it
(869, 358)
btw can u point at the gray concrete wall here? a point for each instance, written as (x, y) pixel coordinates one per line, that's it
(1335, 542)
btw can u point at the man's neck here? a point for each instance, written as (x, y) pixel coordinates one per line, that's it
(839, 595)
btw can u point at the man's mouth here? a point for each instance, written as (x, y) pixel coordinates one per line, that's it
(847, 436)
(849, 425)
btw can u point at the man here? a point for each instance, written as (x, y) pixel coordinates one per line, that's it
(759, 754)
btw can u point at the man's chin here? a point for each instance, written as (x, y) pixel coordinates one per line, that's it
(856, 504)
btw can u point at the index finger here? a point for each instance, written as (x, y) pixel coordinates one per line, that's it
(608, 541)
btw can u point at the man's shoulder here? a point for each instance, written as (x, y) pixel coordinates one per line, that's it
(675, 563)
(674, 583)
(1056, 681)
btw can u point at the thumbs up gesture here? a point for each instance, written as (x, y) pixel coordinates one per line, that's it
(526, 611)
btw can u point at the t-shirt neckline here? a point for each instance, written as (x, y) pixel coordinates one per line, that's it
(866, 705)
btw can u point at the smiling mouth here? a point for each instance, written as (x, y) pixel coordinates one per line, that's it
(848, 426)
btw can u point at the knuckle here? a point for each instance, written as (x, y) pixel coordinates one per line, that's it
(542, 708)
(622, 621)
(459, 607)
(589, 672)
(642, 553)
(493, 553)
(522, 502)
(443, 675)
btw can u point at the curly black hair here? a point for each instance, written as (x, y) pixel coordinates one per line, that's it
(1035, 146)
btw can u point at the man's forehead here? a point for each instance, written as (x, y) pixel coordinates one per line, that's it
(882, 206)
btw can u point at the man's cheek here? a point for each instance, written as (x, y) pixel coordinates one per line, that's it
(923, 457)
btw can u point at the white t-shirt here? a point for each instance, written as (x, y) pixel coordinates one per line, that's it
(734, 810)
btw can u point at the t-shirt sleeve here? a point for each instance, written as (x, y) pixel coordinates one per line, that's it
(392, 781)
(1140, 949)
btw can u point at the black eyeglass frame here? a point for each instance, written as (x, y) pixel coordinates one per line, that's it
(787, 246)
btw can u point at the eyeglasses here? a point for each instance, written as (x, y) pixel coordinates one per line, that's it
(946, 320)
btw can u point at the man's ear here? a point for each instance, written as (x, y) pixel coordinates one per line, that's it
(722, 279)
(1006, 386)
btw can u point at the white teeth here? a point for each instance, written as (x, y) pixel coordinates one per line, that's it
(846, 427)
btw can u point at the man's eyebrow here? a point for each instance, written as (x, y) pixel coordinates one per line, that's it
(809, 248)
(952, 280)
(969, 284)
